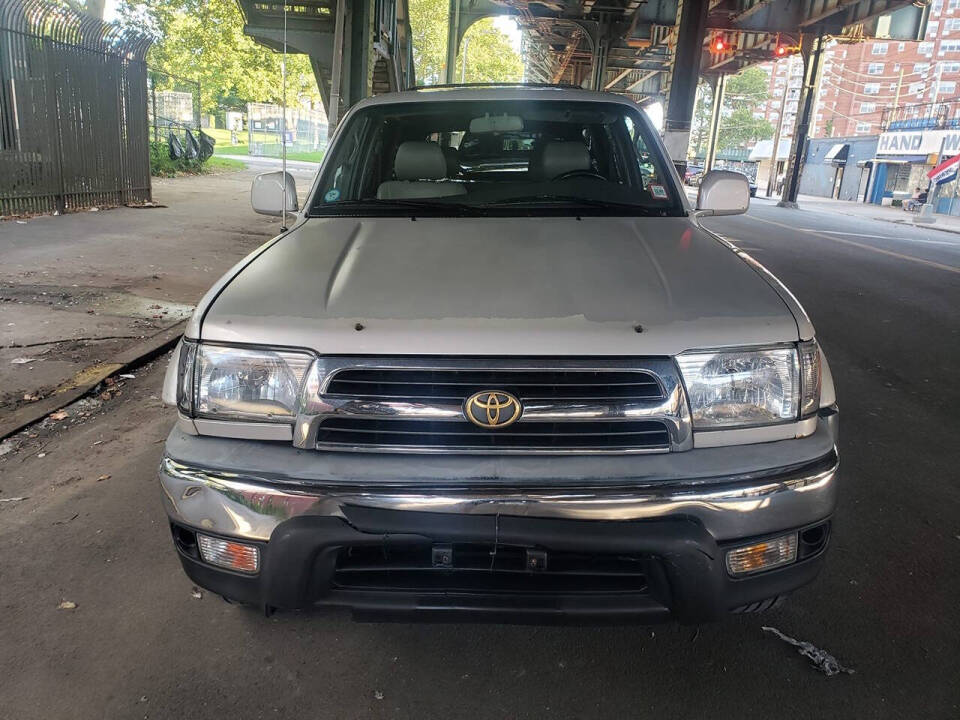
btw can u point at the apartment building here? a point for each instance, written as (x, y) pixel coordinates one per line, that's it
(860, 79)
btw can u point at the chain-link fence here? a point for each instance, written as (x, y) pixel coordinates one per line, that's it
(173, 104)
(306, 130)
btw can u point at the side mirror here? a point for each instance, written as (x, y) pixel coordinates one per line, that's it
(266, 194)
(723, 193)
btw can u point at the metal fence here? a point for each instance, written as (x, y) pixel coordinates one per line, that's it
(306, 129)
(73, 110)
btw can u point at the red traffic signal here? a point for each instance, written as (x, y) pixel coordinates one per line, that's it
(780, 51)
(719, 45)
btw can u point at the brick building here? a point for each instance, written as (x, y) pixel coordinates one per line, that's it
(861, 79)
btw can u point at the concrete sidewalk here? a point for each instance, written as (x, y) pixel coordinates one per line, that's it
(946, 223)
(78, 291)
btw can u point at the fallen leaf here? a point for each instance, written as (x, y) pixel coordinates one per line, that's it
(67, 605)
(59, 415)
(103, 477)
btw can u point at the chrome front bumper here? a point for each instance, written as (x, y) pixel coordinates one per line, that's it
(252, 506)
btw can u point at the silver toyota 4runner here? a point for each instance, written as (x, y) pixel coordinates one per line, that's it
(496, 369)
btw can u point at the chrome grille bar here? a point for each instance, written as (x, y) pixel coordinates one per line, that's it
(360, 404)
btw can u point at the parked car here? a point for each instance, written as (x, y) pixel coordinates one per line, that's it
(526, 388)
(692, 175)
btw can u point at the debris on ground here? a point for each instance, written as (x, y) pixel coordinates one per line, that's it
(102, 478)
(5, 447)
(59, 415)
(13, 499)
(23, 360)
(195, 593)
(378, 694)
(128, 376)
(821, 659)
(67, 605)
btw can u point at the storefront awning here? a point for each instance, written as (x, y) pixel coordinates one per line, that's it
(837, 155)
(878, 161)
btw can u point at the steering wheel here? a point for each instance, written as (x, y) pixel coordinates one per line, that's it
(579, 173)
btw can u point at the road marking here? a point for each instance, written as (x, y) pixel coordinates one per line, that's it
(887, 237)
(863, 246)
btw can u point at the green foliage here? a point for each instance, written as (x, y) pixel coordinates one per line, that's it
(490, 55)
(161, 165)
(203, 40)
(743, 93)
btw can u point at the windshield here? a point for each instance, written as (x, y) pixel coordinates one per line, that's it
(542, 157)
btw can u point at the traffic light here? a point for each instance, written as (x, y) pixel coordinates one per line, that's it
(719, 44)
(780, 51)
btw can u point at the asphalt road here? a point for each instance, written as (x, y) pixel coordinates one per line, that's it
(139, 644)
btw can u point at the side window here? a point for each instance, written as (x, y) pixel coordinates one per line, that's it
(648, 170)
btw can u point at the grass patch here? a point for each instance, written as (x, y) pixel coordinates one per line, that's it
(222, 163)
(223, 147)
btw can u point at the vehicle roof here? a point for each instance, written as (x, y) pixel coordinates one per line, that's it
(439, 93)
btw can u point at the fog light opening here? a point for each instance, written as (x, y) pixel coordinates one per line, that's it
(762, 556)
(229, 554)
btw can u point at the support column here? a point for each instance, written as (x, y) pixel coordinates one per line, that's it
(683, 81)
(811, 46)
(719, 84)
(601, 53)
(453, 42)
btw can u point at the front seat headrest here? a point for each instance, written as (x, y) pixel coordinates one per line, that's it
(419, 160)
(557, 158)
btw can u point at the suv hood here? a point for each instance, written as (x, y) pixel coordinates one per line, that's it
(496, 286)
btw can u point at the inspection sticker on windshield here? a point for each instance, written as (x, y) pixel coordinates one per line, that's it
(332, 195)
(658, 191)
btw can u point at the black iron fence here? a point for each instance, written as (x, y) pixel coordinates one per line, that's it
(73, 110)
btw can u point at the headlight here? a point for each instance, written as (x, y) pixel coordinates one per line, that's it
(743, 388)
(240, 383)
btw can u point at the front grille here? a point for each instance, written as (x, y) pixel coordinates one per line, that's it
(530, 435)
(567, 405)
(426, 385)
(482, 568)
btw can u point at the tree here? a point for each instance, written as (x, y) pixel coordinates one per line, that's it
(203, 40)
(743, 93)
(490, 55)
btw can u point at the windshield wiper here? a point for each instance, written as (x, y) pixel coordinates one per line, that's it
(399, 203)
(574, 200)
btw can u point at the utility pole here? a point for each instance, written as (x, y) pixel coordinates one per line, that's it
(772, 177)
(716, 113)
(463, 68)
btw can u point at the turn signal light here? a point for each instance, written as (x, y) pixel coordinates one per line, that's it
(229, 554)
(763, 556)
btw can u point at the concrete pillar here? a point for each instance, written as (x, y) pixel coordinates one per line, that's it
(719, 83)
(683, 81)
(811, 46)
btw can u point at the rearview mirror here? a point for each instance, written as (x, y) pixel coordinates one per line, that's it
(266, 194)
(723, 193)
(496, 123)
